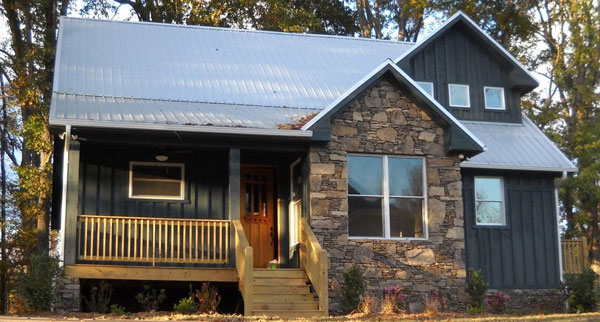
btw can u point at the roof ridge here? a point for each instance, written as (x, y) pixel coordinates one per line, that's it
(280, 33)
(183, 101)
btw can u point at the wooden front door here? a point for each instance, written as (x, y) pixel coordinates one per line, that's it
(258, 212)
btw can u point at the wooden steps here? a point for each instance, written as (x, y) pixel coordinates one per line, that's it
(283, 293)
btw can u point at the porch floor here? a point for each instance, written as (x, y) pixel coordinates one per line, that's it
(151, 273)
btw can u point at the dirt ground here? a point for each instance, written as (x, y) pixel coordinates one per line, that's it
(165, 316)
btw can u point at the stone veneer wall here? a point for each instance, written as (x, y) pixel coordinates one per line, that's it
(383, 120)
(67, 295)
(534, 300)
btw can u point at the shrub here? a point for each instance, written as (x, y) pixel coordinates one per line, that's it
(393, 300)
(186, 305)
(443, 300)
(117, 309)
(35, 284)
(498, 302)
(582, 295)
(208, 298)
(149, 299)
(368, 305)
(353, 289)
(432, 305)
(99, 298)
(476, 288)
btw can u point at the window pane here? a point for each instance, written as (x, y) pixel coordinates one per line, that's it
(406, 217)
(488, 189)
(405, 176)
(458, 95)
(493, 98)
(489, 212)
(365, 216)
(156, 172)
(428, 87)
(155, 188)
(364, 175)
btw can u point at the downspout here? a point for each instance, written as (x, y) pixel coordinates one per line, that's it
(560, 255)
(66, 136)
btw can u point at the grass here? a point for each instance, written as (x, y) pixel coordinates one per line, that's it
(167, 316)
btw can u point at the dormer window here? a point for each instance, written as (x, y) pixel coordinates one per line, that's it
(458, 95)
(427, 87)
(494, 98)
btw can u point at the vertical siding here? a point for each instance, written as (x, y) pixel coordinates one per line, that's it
(457, 58)
(104, 182)
(524, 253)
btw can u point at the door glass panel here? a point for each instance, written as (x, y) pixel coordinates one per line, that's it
(263, 199)
(255, 201)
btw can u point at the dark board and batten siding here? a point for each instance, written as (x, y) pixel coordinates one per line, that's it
(104, 183)
(457, 58)
(524, 253)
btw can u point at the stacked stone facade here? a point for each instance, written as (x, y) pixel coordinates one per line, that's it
(383, 120)
(67, 295)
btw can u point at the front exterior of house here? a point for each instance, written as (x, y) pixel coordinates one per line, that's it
(202, 154)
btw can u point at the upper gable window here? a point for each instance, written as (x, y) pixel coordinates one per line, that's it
(151, 180)
(458, 95)
(427, 87)
(494, 98)
(489, 201)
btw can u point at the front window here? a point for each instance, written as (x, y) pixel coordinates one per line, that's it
(151, 180)
(494, 98)
(386, 196)
(427, 87)
(458, 95)
(489, 201)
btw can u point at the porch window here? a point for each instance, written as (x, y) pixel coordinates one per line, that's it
(152, 180)
(489, 201)
(386, 196)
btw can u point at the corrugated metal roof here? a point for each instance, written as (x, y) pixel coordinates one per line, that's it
(517, 147)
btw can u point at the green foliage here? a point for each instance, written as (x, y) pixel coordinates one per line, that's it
(208, 298)
(353, 290)
(582, 292)
(150, 298)
(35, 284)
(99, 298)
(118, 310)
(476, 288)
(186, 305)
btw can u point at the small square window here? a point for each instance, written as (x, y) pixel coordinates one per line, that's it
(489, 201)
(150, 180)
(459, 95)
(494, 98)
(427, 87)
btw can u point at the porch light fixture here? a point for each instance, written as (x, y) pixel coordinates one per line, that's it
(161, 158)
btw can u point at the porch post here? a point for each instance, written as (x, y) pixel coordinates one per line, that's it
(72, 203)
(233, 195)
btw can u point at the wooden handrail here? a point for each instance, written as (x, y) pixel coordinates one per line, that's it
(313, 259)
(152, 240)
(244, 264)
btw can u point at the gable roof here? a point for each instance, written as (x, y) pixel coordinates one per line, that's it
(523, 78)
(461, 138)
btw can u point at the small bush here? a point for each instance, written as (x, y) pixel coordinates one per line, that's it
(582, 295)
(432, 305)
(497, 303)
(368, 305)
(393, 300)
(117, 309)
(353, 289)
(186, 305)
(35, 285)
(542, 305)
(476, 288)
(443, 300)
(208, 298)
(150, 299)
(99, 298)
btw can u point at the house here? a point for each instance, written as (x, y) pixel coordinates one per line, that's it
(202, 154)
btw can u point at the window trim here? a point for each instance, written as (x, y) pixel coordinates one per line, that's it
(386, 197)
(429, 83)
(468, 95)
(503, 107)
(157, 164)
(502, 201)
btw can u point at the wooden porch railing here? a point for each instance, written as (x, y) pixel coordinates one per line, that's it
(244, 264)
(574, 253)
(152, 240)
(313, 259)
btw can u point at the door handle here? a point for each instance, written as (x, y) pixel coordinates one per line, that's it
(272, 236)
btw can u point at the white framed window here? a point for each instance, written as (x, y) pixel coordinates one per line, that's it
(489, 201)
(156, 180)
(458, 95)
(427, 87)
(386, 197)
(494, 98)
